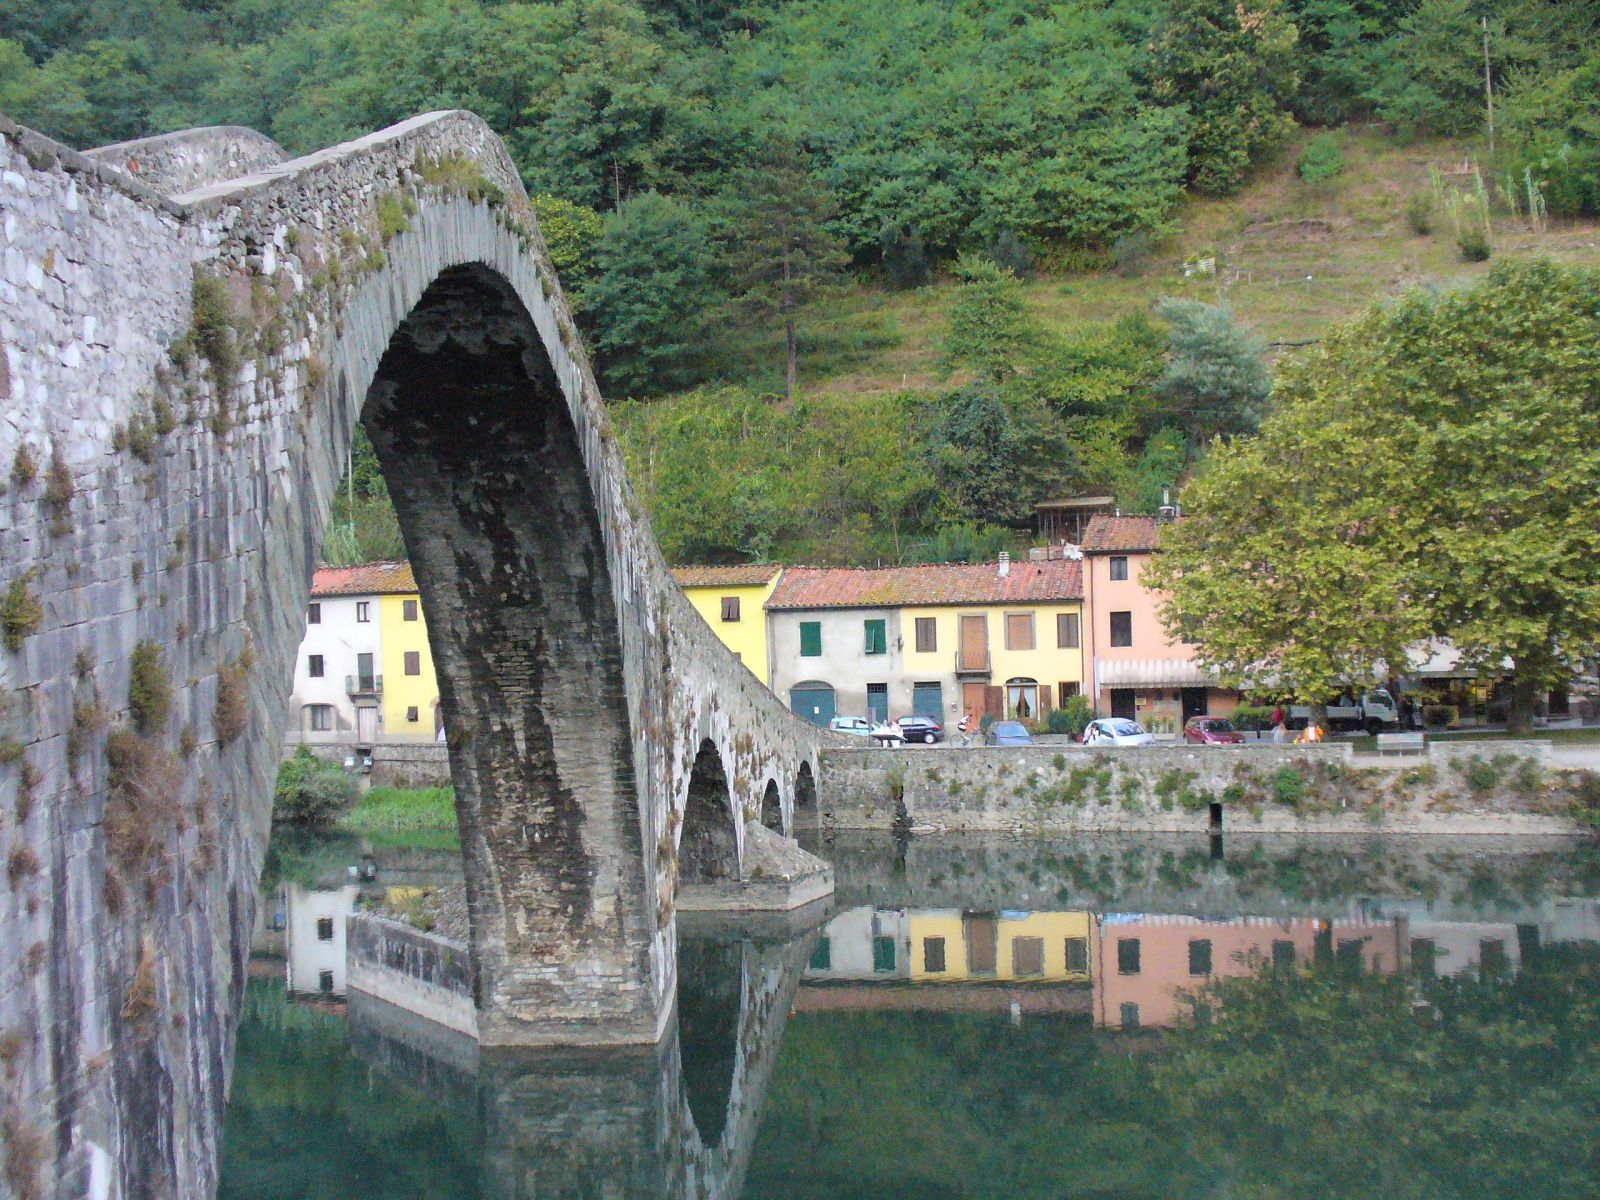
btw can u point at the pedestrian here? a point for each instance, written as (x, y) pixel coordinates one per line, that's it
(1280, 726)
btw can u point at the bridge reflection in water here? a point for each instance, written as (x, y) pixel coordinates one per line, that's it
(965, 1020)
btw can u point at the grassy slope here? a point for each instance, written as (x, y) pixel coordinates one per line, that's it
(1292, 258)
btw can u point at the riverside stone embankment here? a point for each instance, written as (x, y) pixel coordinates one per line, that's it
(1464, 787)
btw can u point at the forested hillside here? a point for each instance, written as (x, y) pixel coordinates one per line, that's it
(866, 280)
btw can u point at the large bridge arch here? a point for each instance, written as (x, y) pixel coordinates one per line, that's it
(188, 372)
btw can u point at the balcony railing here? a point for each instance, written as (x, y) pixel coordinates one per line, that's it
(363, 685)
(973, 662)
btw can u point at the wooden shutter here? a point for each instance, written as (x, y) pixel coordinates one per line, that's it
(810, 639)
(974, 643)
(927, 635)
(1019, 631)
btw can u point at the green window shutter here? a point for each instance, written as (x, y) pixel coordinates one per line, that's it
(877, 637)
(810, 639)
(883, 954)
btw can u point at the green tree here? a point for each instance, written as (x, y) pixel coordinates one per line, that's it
(778, 248)
(1550, 127)
(1216, 378)
(652, 284)
(993, 460)
(1471, 510)
(1234, 69)
(570, 232)
(1431, 78)
(992, 330)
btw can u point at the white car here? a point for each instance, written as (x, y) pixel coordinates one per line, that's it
(1116, 731)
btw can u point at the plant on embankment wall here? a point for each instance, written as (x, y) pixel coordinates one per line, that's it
(20, 611)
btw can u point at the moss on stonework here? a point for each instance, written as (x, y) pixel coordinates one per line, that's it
(149, 689)
(20, 611)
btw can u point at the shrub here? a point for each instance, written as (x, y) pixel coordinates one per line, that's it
(1252, 717)
(21, 866)
(212, 333)
(20, 612)
(1288, 785)
(143, 798)
(1322, 159)
(1131, 253)
(24, 467)
(1439, 716)
(1474, 245)
(309, 791)
(1419, 214)
(1011, 253)
(1586, 797)
(1481, 774)
(233, 707)
(905, 259)
(149, 690)
(1073, 717)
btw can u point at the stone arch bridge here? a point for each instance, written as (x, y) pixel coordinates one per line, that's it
(190, 329)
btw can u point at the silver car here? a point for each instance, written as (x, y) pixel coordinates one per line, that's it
(855, 726)
(1116, 731)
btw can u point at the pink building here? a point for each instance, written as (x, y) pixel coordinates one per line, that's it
(1144, 963)
(1138, 671)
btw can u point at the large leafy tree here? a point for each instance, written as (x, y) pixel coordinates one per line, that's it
(1233, 66)
(1216, 378)
(1433, 470)
(992, 331)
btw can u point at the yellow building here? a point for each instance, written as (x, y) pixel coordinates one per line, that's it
(733, 602)
(1016, 947)
(410, 688)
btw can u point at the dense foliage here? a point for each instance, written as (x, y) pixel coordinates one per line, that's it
(309, 791)
(1432, 471)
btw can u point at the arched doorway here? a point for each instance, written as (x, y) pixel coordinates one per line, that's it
(709, 849)
(772, 807)
(805, 795)
(814, 700)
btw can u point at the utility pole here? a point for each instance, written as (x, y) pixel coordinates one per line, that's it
(1488, 85)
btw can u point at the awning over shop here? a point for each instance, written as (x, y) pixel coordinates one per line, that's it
(1441, 660)
(1152, 672)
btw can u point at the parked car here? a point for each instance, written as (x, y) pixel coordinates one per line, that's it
(1211, 731)
(919, 728)
(1116, 731)
(855, 726)
(1008, 733)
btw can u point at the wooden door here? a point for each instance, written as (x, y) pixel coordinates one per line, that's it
(974, 700)
(366, 725)
(974, 642)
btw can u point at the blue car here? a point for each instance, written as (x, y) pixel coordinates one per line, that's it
(1008, 733)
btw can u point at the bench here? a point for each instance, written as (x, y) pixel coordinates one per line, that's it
(1400, 743)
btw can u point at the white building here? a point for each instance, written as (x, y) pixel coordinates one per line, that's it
(862, 943)
(338, 675)
(314, 940)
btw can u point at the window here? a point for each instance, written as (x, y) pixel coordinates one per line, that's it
(1283, 954)
(810, 639)
(1022, 698)
(822, 956)
(1122, 629)
(365, 680)
(363, 610)
(1119, 566)
(314, 666)
(1130, 1016)
(927, 635)
(1078, 954)
(1019, 631)
(1067, 631)
(325, 981)
(313, 614)
(882, 954)
(1349, 953)
(324, 929)
(1027, 956)
(413, 662)
(933, 955)
(1200, 956)
(877, 635)
(1492, 960)
(1065, 692)
(730, 608)
(1424, 957)
(411, 713)
(1127, 956)
(320, 717)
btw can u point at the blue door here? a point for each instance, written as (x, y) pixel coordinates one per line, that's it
(927, 700)
(813, 701)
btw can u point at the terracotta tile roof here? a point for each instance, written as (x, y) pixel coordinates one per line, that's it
(737, 575)
(941, 583)
(364, 579)
(1107, 533)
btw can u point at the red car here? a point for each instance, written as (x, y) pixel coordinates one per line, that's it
(1211, 731)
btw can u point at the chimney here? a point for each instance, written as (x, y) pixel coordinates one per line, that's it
(1005, 564)
(1169, 510)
